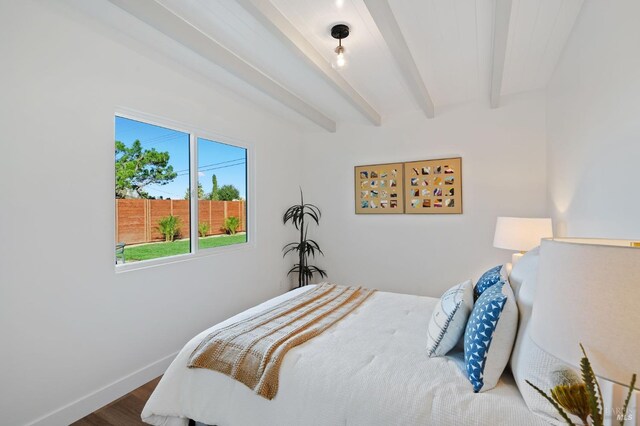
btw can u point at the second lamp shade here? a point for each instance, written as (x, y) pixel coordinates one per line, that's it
(521, 233)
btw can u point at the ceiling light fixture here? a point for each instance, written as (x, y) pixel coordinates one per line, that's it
(339, 32)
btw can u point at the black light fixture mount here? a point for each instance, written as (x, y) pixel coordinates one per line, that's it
(339, 32)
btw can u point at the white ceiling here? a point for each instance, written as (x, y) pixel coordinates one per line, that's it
(233, 27)
(370, 69)
(538, 32)
(451, 43)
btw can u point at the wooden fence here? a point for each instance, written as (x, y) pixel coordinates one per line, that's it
(137, 219)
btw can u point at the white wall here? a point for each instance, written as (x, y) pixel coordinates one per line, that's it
(593, 125)
(70, 325)
(503, 161)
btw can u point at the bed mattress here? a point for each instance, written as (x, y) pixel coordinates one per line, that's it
(369, 369)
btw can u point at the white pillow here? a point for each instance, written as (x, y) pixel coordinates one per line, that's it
(528, 361)
(449, 319)
(489, 336)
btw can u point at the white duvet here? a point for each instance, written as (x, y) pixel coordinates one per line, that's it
(369, 369)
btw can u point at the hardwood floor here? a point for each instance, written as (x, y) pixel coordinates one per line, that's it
(121, 412)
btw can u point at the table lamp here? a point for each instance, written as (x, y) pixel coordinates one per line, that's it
(588, 292)
(521, 234)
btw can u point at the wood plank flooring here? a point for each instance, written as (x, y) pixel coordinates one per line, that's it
(121, 412)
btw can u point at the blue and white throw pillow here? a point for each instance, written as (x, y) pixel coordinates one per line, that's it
(489, 278)
(489, 336)
(449, 319)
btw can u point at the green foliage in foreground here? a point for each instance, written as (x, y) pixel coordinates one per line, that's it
(583, 398)
(156, 250)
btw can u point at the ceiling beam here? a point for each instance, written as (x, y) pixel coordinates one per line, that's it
(383, 16)
(170, 24)
(501, 18)
(269, 16)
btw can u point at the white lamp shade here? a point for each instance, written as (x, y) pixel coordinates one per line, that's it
(588, 293)
(521, 233)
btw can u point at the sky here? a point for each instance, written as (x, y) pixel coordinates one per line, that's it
(227, 162)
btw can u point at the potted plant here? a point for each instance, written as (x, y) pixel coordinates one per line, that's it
(305, 247)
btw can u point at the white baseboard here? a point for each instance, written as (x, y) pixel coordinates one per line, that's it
(88, 404)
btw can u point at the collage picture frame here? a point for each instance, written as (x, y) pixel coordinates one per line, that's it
(434, 186)
(379, 189)
(414, 187)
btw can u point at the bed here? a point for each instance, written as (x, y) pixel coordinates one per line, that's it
(370, 368)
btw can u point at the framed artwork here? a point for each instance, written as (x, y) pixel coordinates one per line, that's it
(379, 189)
(433, 186)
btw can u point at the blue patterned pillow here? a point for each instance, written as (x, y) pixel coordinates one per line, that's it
(489, 278)
(489, 336)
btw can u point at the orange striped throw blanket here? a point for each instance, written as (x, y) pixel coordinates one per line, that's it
(251, 350)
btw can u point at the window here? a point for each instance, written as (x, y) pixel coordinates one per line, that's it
(158, 213)
(222, 190)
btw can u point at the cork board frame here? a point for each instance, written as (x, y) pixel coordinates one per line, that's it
(379, 189)
(433, 186)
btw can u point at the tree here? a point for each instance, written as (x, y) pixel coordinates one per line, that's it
(187, 195)
(137, 167)
(228, 193)
(214, 189)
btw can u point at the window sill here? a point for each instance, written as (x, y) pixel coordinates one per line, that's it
(153, 263)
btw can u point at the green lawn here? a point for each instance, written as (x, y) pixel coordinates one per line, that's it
(155, 250)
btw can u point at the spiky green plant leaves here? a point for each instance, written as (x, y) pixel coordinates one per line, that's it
(626, 401)
(582, 399)
(564, 415)
(593, 390)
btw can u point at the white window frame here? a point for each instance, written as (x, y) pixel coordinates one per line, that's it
(194, 133)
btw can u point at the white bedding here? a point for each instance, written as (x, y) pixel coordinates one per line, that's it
(369, 369)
